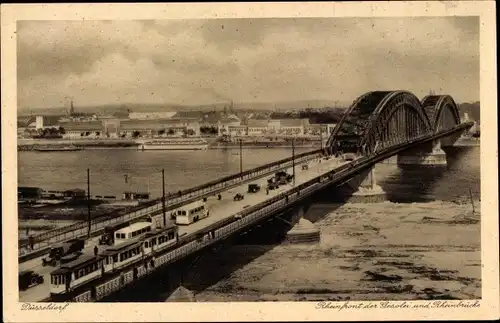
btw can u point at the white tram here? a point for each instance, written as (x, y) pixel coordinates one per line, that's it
(159, 239)
(127, 253)
(190, 213)
(121, 254)
(75, 273)
(133, 231)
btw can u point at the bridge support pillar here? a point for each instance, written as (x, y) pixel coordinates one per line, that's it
(174, 275)
(181, 294)
(303, 230)
(429, 154)
(368, 191)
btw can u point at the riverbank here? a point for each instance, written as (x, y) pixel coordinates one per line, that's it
(266, 144)
(84, 144)
(408, 251)
(33, 145)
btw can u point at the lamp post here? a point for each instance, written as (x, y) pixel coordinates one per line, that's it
(293, 159)
(88, 202)
(321, 137)
(241, 156)
(163, 197)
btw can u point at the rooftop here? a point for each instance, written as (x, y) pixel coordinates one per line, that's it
(135, 226)
(160, 230)
(82, 126)
(75, 264)
(257, 123)
(156, 124)
(120, 246)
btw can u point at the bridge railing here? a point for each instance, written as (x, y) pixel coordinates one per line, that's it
(173, 200)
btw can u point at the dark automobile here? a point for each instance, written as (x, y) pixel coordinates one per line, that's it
(272, 184)
(253, 188)
(280, 174)
(61, 250)
(28, 278)
(238, 197)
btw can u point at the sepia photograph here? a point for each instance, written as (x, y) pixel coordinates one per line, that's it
(335, 161)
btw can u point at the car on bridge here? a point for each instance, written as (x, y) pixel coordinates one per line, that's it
(238, 197)
(64, 249)
(28, 278)
(272, 183)
(253, 188)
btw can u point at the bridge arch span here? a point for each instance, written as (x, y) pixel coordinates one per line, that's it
(380, 119)
(398, 118)
(442, 111)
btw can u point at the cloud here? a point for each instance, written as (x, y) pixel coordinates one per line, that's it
(201, 61)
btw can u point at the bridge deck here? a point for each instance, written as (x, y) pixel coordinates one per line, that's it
(154, 207)
(219, 210)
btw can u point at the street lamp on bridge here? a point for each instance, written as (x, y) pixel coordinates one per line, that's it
(293, 160)
(89, 220)
(163, 197)
(241, 155)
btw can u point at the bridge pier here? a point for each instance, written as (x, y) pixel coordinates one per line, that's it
(368, 191)
(174, 276)
(429, 154)
(303, 230)
(181, 294)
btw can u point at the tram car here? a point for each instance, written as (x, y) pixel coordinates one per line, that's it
(132, 231)
(190, 213)
(108, 237)
(136, 250)
(75, 273)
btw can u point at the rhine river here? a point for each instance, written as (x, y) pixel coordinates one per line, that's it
(422, 243)
(114, 171)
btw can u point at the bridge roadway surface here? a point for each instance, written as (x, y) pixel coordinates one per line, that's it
(170, 202)
(219, 210)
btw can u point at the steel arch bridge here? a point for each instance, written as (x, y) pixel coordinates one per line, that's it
(381, 119)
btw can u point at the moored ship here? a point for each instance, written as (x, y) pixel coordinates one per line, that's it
(174, 144)
(52, 149)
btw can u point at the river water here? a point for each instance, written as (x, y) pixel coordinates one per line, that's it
(425, 227)
(114, 171)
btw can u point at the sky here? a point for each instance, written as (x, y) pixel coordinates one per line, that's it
(246, 60)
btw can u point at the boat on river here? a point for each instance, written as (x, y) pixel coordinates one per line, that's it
(53, 149)
(174, 144)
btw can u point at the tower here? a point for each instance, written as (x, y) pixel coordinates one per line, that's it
(71, 108)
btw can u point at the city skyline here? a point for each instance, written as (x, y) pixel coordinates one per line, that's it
(191, 62)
